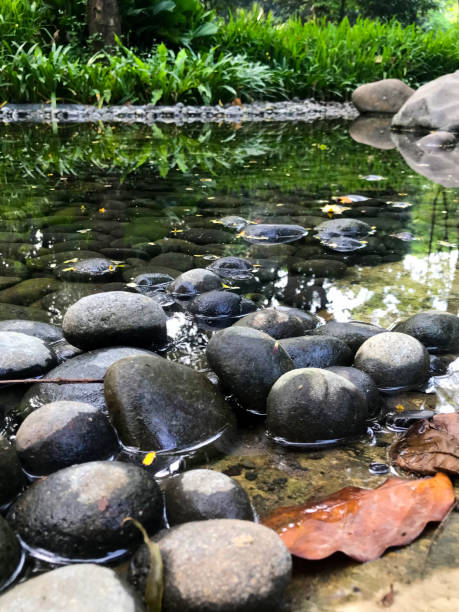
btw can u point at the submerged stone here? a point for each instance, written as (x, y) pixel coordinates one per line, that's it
(220, 304)
(247, 362)
(273, 233)
(221, 565)
(64, 433)
(96, 269)
(199, 495)
(114, 318)
(157, 404)
(78, 512)
(310, 405)
(193, 282)
(232, 267)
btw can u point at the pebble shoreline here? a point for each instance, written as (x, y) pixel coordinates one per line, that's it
(304, 110)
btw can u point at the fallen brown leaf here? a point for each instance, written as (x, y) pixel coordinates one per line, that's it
(428, 447)
(362, 523)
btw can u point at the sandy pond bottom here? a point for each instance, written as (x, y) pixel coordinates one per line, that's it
(102, 187)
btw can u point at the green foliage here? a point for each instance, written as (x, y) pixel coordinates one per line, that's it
(166, 76)
(183, 22)
(327, 60)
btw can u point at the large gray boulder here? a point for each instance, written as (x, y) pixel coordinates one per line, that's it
(72, 588)
(386, 96)
(433, 106)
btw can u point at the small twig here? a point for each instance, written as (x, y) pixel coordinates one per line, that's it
(55, 381)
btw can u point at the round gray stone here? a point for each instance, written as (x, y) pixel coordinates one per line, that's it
(63, 433)
(91, 365)
(394, 360)
(72, 588)
(96, 269)
(311, 404)
(317, 351)
(220, 304)
(438, 331)
(23, 356)
(276, 323)
(113, 318)
(44, 331)
(385, 96)
(193, 282)
(78, 512)
(10, 556)
(248, 362)
(199, 495)
(158, 404)
(223, 565)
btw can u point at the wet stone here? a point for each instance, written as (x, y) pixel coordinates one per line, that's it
(92, 365)
(72, 588)
(23, 356)
(232, 267)
(194, 282)
(11, 267)
(53, 260)
(322, 268)
(438, 331)
(309, 320)
(178, 261)
(11, 311)
(247, 363)
(44, 331)
(394, 360)
(353, 333)
(221, 565)
(10, 557)
(28, 291)
(276, 323)
(97, 269)
(11, 475)
(364, 383)
(78, 512)
(199, 495)
(311, 404)
(220, 304)
(317, 351)
(114, 318)
(149, 282)
(64, 433)
(273, 233)
(158, 404)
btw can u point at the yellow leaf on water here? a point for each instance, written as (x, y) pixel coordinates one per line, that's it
(149, 458)
(131, 285)
(68, 269)
(399, 408)
(74, 260)
(84, 231)
(101, 210)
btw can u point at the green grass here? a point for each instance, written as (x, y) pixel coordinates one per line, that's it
(329, 60)
(251, 57)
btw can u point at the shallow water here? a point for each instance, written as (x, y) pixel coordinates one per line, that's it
(169, 192)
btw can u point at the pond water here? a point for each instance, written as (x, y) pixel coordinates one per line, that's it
(167, 199)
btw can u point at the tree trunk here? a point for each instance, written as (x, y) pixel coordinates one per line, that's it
(104, 20)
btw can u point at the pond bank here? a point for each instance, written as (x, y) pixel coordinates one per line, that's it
(303, 110)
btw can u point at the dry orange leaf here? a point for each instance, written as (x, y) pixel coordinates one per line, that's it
(362, 523)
